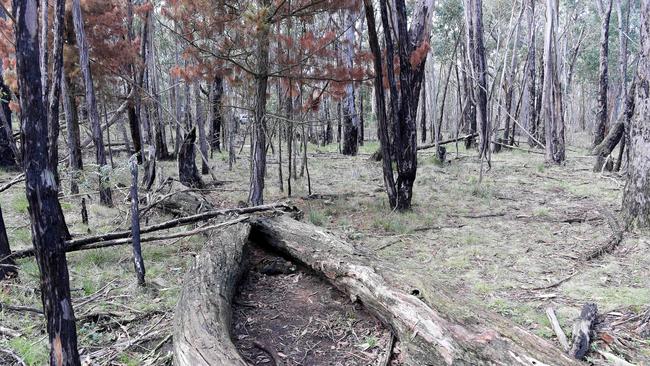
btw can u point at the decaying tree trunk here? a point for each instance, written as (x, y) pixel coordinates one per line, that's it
(202, 316)
(582, 331)
(636, 205)
(433, 327)
(187, 172)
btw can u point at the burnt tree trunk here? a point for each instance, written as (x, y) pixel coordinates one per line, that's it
(187, 172)
(7, 146)
(636, 205)
(138, 262)
(200, 124)
(105, 195)
(350, 116)
(55, 91)
(217, 118)
(7, 264)
(45, 213)
(603, 78)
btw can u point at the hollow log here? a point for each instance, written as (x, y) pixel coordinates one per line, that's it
(202, 316)
(433, 326)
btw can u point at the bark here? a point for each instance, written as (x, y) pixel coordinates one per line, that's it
(258, 143)
(200, 124)
(385, 143)
(608, 144)
(423, 315)
(132, 113)
(423, 115)
(202, 316)
(7, 264)
(44, 209)
(603, 78)
(55, 91)
(105, 194)
(160, 142)
(362, 123)
(138, 262)
(187, 172)
(636, 204)
(72, 129)
(552, 91)
(623, 15)
(217, 118)
(350, 116)
(474, 11)
(582, 329)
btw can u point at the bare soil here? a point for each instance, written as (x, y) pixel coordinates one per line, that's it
(297, 318)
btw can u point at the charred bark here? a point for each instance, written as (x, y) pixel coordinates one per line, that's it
(41, 190)
(138, 262)
(187, 172)
(7, 265)
(217, 118)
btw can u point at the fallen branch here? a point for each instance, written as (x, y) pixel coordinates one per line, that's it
(445, 142)
(112, 239)
(17, 179)
(582, 331)
(612, 241)
(559, 333)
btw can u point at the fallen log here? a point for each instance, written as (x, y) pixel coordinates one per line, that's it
(203, 313)
(432, 326)
(119, 236)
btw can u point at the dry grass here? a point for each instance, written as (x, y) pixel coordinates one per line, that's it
(491, 241)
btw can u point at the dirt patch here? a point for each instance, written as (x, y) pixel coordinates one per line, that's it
(285, 315)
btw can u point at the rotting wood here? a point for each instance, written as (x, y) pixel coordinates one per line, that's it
(202, 316)
(433, 327)
(582, 331)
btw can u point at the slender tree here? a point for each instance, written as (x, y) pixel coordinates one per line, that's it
(105, 194)
(350, 116)
(45, 214)
(605, 11)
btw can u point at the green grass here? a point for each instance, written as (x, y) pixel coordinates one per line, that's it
(33, 353)
(317, 218)
(19, 204)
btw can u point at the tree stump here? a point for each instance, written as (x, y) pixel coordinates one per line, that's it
(187, 171)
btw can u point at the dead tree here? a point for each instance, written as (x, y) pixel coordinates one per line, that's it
(138, 262)
(605, 11)
(187, 171)
(7, 145)
(55, 90)
(636, 205)
(552, 108)
(419, 313)
(105, 195)
(350, 116)
(41, 190)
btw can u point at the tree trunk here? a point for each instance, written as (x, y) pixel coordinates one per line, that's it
(350, 117)
(530, 80)
(7, 146)
(362, 127)
(636, 205)
(55, 91)
(603, 78)
(187, 172)
(421, 314)
(258, 142)
(552, 108)
(200, 124)
(44, 209)
(138, 262)
(72, 129)
(423, 113)
(7, 265)
(474, 10)
(217, 94)
(202, 316)
(105, 194)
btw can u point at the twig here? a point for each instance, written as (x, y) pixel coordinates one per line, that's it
(559, 333)
(19, 178)
(388, 355)
(554, 284)
(19, 361)
(275, 360)
(21, 308)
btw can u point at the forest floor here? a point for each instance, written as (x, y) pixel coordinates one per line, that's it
(514, 243)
